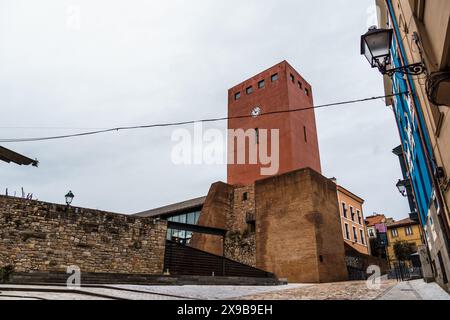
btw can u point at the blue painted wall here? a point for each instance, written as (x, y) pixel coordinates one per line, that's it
(408, 122)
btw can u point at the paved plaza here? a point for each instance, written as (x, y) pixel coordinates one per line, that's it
(349, 290)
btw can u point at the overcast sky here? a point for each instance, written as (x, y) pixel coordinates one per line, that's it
(67, 66)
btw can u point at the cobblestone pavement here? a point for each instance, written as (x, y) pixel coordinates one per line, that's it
(350, 290)
(211, 292)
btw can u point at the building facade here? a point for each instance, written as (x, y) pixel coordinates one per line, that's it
(422, 34)
(377, 235)
(352, 220)
(299, 239)
(407, 231)
(275, 91)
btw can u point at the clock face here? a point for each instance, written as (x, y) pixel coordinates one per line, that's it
(256, 112)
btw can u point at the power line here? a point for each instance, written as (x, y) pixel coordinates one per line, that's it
(181, 123)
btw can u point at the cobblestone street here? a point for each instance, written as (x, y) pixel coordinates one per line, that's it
(357, 290)
(350, 290)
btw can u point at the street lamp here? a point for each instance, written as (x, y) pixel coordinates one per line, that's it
(376, 47)
(69, 198)
(401, 186)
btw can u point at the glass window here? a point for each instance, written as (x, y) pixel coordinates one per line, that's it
(409, 231)
(344, 210)
(300, 85)
(197, 217)
(355, 236)
(347, 232)
(307, 91)
(394, 233)
(249, 90)
(261, 84)
(292, 78)
(361, 233)
(237, 95)
(191, 218)
(274, 77)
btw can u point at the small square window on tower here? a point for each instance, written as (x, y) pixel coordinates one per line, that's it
(292, 78)
(237, 95)
(249, 90)
(300, 85)
(261, 84)
(274, 77)
(307, 91)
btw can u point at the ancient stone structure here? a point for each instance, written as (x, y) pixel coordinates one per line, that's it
(288, 225)
(39, 236)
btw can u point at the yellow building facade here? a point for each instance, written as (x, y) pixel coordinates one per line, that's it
(403, 230)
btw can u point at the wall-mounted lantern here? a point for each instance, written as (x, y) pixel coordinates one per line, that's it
(376, 47)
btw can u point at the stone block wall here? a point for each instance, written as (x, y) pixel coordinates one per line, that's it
(240, 242)
(298, 233)
(225, 208)
(40, 236)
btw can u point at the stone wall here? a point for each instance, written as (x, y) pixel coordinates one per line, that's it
(240, 242)
(225, 208)
(39, 236)
(298, 231)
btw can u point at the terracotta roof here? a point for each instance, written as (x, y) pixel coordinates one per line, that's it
(403, 222)
(11, 156)
(375, 219)
(173, 208)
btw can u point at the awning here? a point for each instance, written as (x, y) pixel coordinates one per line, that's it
(11, 156)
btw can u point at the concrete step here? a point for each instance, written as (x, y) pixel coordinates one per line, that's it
(138, 279)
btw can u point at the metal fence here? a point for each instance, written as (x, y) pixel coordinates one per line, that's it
(401, 272)
(183, 260)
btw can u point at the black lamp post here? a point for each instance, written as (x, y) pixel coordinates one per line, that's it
(69, 198)
(376, 47)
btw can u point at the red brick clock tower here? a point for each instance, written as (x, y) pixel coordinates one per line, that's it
(276, 89)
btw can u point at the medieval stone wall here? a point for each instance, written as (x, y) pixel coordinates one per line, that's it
(240, 242)
(39, 236)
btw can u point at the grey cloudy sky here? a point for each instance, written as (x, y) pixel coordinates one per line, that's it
(140, 62)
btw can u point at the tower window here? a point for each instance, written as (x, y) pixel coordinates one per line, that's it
(292, 78)
(307, 91)
(300, 85)
(261, 84)
(249, 90)
(237, 95)
(245, 196)
(274, 77)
